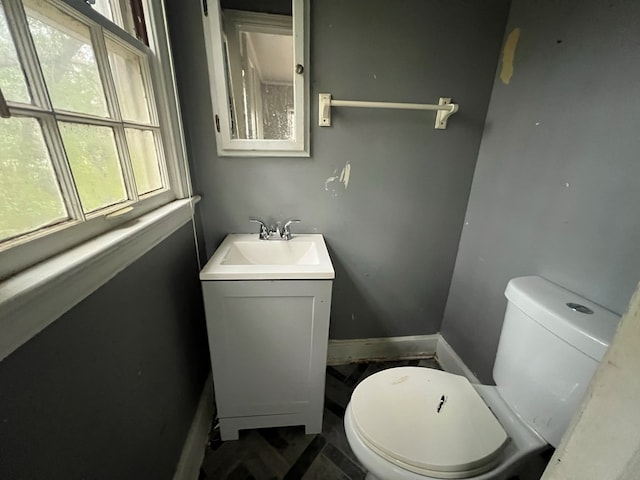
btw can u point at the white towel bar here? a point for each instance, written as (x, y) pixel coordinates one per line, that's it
(444, 108)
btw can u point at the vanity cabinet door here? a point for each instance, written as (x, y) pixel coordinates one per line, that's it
(268, 342)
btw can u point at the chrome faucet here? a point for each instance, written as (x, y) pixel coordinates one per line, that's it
(267, 233)
(264, 233)
(286, 229)
(274, 230)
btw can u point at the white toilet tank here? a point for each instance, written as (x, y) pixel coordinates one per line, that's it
(548, 352)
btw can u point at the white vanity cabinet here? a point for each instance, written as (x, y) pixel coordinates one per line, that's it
(268, 343)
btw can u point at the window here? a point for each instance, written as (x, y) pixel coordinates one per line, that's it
(84, 140)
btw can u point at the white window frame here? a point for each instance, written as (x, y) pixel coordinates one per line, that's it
(37, 296)
(26, 250)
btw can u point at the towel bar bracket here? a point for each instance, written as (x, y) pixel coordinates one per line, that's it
(324, 109)
(442, 116)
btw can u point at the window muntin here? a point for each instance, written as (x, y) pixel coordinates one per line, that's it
(126, 155)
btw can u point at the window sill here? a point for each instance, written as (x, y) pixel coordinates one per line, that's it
(36, 297)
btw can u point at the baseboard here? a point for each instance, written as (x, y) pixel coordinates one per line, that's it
(188, 467)
(341, 352)
(451, 362)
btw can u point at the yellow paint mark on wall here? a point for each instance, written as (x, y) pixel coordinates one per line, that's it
(508, 53)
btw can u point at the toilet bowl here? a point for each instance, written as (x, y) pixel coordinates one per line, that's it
(391, 446)
(419, 423)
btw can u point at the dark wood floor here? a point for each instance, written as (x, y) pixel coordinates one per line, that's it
(287, 453)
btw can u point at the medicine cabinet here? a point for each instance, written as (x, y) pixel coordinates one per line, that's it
(259, 77)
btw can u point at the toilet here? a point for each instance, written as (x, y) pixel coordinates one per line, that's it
(420, 423)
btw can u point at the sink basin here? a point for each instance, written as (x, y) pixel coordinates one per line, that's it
(250, 252)
(246, 257)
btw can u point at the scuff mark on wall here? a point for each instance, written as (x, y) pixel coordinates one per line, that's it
(336, 184)
(508, 54)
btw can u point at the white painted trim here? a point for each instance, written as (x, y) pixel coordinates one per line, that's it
(168, 105)
(188, 467)
(36, 297)
(341, 352)
(451, 362)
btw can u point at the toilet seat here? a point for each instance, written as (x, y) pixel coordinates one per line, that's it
(427, 421)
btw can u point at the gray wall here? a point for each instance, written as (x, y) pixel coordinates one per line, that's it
(555, 191)
(109, 390)
(394, 232)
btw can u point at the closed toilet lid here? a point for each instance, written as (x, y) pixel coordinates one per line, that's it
(427, 421)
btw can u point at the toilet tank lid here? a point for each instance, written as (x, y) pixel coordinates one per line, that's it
(546, 303)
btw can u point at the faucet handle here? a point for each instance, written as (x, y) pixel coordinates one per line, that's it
(286, 229)
(264, 231)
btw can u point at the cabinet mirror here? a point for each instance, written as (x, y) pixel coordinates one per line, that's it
(258, 69)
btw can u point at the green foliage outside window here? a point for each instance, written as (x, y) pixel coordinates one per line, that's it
(30, 194)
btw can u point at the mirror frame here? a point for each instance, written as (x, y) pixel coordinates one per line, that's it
(219, 89)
